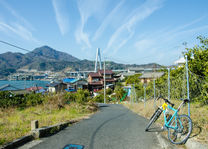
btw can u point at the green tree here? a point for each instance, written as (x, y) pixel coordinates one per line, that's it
(133, 79)
(119, 92)
(198, 57)
(198, 65)
(82, 96)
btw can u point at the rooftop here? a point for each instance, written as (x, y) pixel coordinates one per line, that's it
(180, 61)
(151, 75)
(106, 71)
(68, 80)
(94, 74)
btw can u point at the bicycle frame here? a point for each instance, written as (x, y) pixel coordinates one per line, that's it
(175, 115)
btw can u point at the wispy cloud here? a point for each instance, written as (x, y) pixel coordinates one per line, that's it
(122, 35)
(82, 37)
(17, 15)
(163, 42)
(18, 30)
(61, 17)
(87, 9)
(18, 26)
(107, 21)
(169, 34)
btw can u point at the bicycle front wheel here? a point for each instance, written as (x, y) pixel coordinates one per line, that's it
(180, 135)
(154, 117)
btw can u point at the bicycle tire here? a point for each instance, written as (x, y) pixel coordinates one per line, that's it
(174, 136)
(154, 117)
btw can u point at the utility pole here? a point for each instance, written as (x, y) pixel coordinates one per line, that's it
(104, 82)
(154, 93)
(135, 98)
(154, 87)
(168, 83)
(187, 77)
(144, 95)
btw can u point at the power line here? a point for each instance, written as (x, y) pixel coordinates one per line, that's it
(12, 45)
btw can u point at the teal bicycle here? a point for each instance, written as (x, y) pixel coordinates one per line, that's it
(179, 126)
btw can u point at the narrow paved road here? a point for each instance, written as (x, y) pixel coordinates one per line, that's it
(113, 127)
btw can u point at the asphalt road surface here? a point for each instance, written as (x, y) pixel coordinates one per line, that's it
(113, 127)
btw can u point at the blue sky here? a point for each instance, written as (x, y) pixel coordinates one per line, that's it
(126, 31)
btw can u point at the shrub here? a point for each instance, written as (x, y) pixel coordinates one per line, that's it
(82, 96)
(33, 99)
(69, 97)
(119, 92)
(8, 99)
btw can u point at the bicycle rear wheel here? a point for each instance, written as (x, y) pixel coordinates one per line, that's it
(180, 135)
(154, 117)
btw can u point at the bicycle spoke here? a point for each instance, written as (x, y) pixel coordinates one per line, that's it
(181, 134)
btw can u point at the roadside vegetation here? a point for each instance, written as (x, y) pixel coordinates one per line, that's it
(17, 114)
(198, 86)
(199, 116)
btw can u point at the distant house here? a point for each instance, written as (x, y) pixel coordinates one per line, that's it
(75, 84)
(148, 76)
(96, 79)
(8, 87)
(180, 62)
(136, 70)
(56, 87)
(68, 80)
(151, 68)
(123, 75)
(79, 84)
(12, 88)
(36, 89)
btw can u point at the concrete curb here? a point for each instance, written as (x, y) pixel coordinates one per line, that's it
(193, 144)
(18, 142)
(50, 130)
(164, 142)
(39, 133)
(190, 144)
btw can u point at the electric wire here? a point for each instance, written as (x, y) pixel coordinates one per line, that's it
(12, 45)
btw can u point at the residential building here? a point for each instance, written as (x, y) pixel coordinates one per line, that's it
(148, 76)
(13, 89)
(96, 79)
(56, 87)
(180, 62)
(36, 89)
(75, 84)
(123, 75)
(80, 84)
(144, 69)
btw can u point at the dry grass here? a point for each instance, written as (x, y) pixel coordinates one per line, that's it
(15, 122)
(199, 116)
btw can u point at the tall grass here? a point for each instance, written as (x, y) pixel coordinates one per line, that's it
(15, 121)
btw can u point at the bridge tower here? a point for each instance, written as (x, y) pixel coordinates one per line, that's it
(96, 60)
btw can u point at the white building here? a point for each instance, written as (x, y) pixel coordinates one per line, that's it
(180, 62)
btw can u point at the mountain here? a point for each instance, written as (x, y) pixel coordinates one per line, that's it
(45, 55)
(47, 58)
(48, 53)
(10, 62)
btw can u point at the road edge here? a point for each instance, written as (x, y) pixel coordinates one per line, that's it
(41, 132)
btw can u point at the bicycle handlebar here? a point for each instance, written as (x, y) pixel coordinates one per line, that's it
(166, 100)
